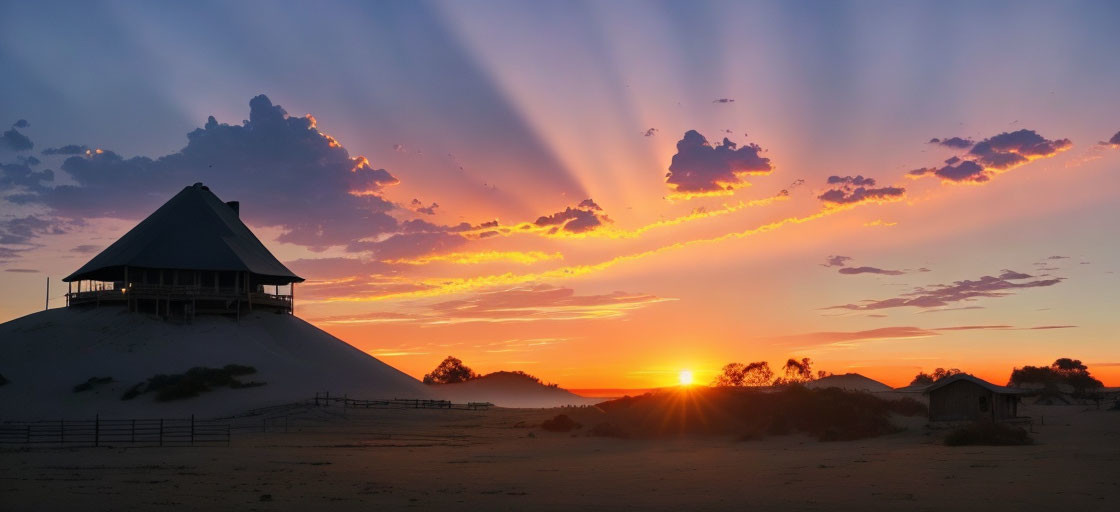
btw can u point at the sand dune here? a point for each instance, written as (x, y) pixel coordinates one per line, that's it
(507, 389)
(46, 354)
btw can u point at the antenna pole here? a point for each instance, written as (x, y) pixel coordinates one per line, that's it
(47, 305)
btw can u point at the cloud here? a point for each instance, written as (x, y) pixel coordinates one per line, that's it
(69, 149)
(15, 141)
(533, 302)
(419, 207)
(723, 100)
(21, 175)
(698, 168)
(22, 270)
(285, 172)
(85, 249)
(836, 261)
(1058, 258)
(1114, 141)
(953, 142)
(937, 296)
(586, 216)
(21, 230)
(22, 123)
(995, 155)
(1013, 275)
(853, 338)
(870, 270)
(650, 132)
(847, 190)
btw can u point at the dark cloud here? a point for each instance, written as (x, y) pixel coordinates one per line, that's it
(1013, 275)
(1058, 258)
(699, 167)
(870, 270)
(85, 249)
(285, 172)
(22, 123)
(650, 132)
(538, 302)
(723, 100)
(23, 176)
(953, 142)
(15, 141)
(952, 160)
(994, 155)
(22, 270)
(585, 216)
(69, 149)
(21, 230)
(857, 189)
(1115, 140)
(940, 295)
(419, 207)
(836, 261)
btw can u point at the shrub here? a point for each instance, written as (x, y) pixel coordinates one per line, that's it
(3, 380)
(194, 382)
(450, 371)
(91, 383)
(988, 433)
(560, 423)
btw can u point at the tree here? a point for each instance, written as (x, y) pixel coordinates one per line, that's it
(1070, 372)
(798, 371)
(938, 374)
(757, 373)
(450, 371)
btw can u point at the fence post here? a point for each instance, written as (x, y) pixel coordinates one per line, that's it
(192, 430)
(97, 430)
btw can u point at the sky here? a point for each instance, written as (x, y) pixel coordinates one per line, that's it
(601, 194)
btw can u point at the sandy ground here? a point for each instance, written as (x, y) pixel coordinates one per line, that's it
(460, 460)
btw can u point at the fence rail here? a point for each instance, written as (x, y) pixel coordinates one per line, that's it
(103, 432)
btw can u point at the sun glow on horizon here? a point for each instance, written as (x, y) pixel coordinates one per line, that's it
(685, 377)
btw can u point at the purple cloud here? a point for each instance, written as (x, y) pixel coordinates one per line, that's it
(940, 295)
(870, 270)
(953, 142)
(857, 189)
(698, 167)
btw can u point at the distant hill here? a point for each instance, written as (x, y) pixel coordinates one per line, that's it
(45, 355)
(849, 382)
(509, 389)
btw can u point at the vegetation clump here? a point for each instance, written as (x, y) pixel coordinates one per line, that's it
(194, 382)
(450, 371)
(925, 379)
(91, 383)
(560, 423)
(1064, 371)
(989, 434)
(3, 380)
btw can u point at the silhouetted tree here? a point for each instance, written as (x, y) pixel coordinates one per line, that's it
(938, 374)
(730, 376)
(798, 371)
(1066, 371)
(757, 373)
(450, 371)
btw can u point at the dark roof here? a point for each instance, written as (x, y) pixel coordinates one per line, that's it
(192, 231)
(979, 382)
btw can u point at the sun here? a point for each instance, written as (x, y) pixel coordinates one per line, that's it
(685, 377)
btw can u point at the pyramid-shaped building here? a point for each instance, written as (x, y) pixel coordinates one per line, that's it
(191, 256)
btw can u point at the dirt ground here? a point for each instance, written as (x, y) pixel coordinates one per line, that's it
(465, 460)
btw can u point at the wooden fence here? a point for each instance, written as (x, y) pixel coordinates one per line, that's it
(99, 432)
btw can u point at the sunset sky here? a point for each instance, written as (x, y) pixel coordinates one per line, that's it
(601, 194)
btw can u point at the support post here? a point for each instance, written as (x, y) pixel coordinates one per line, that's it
(47, 305)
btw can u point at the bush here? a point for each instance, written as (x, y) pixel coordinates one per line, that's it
(91, 383)
(194, 382)
(3, 380)
(989, 434)
(560, 423)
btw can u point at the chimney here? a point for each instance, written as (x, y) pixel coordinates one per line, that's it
(235, 206)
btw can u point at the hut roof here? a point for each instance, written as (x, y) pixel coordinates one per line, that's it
(194, 230)
(978, 381)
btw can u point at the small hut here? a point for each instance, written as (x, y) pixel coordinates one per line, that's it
(191, 256)
(963, 397)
